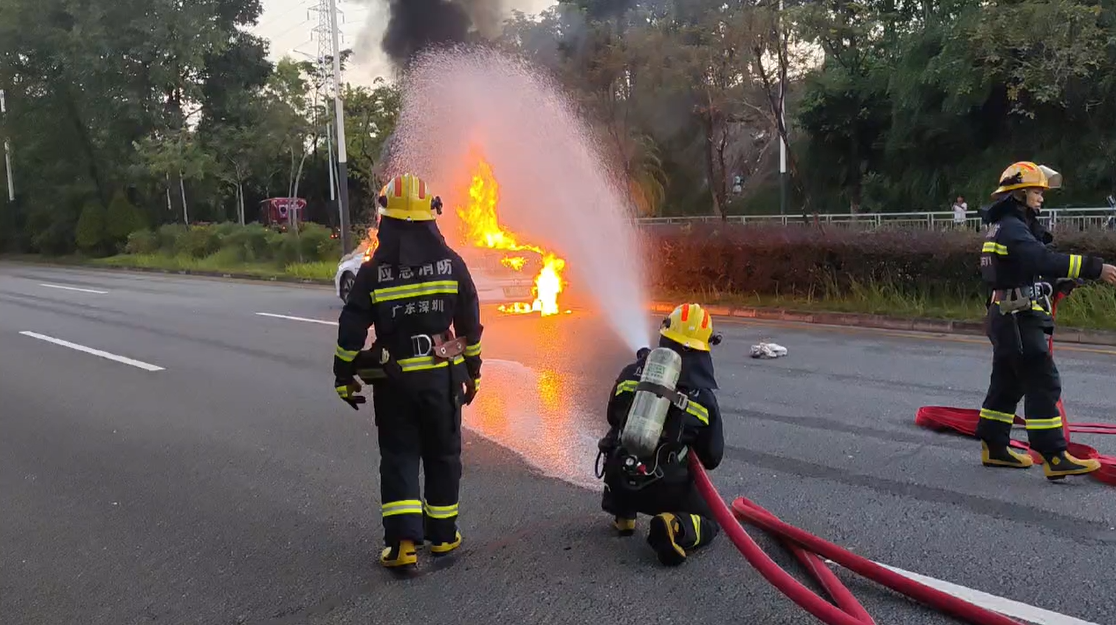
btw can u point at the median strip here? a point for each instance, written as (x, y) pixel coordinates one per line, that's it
(96, 352)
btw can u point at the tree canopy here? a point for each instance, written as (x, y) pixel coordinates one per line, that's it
(170, 111)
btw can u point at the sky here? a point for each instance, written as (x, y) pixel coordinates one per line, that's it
(288, 26)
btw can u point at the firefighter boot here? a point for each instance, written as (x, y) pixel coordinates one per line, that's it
(1058, 466)
(444, 549)
(664, 537)
(995, 456)
(401, 554)
(625, 527)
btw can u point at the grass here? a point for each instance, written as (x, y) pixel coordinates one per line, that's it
(219, 262)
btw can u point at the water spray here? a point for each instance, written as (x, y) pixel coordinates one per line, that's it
(555, 186)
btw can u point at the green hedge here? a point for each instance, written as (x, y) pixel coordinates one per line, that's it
(800, 261)
(233, 244)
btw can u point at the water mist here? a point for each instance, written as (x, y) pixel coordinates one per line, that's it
(555, 187)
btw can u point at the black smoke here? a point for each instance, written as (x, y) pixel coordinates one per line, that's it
(416, 24)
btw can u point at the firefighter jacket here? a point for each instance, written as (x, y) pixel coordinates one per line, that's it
(698, 427)
(1015, 260)
(411, 309)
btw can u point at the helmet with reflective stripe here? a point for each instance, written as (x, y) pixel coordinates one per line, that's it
(406, 197)
(689, 325)
(1027, 175)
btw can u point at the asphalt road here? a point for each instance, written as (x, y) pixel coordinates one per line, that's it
(232, 486)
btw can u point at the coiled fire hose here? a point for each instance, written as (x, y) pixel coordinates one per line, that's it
(810, 550)
(965, 420)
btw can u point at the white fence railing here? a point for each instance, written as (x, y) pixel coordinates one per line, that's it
(1055, 219)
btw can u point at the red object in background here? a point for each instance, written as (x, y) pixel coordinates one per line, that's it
(280, 212)
(965, 420)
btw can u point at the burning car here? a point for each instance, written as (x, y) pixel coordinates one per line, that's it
(496, 283)
(499, 263)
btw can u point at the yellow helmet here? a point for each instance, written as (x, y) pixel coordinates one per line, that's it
(407, 198)
(690, 325)
(1027, 175)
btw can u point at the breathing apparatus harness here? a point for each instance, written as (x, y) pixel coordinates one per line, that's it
(640, 470)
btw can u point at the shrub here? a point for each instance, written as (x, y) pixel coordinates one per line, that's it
(816, 262)
(142, 242)
(198, 242)
(90, 232)
(122, 219)
(168, 237)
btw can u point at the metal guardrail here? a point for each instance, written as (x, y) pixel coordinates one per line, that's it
(1098, 218)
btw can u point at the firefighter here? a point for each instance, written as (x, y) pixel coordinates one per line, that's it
(1018, 269)
(410, 291)
(681, 520)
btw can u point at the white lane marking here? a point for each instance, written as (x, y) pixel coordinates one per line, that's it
(325, 323)
(73, 288)
(1007, 607)
(96, 352)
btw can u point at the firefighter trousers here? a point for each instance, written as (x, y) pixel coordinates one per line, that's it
(419, 423)
(1034, 379)
(680, 499)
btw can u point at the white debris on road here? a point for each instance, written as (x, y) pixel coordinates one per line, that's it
(768, 350)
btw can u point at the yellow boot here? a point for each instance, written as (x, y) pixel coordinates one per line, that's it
(625, 527)
(441, 549)
(1059, 465)
(663, 538)
(399, 555)
(1004, 457)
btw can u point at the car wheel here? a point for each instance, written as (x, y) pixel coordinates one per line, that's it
(347, 282)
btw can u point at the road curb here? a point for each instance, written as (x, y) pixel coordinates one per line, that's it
(882, 322)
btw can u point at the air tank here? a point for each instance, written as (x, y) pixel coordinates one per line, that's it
(649, 411)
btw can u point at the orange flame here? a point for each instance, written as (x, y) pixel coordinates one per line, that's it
(482, 229)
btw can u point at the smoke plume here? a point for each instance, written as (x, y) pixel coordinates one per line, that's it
(415, 24)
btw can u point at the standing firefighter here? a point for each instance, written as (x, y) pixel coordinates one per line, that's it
(411, 290)
(1017, 267)
(654, 422)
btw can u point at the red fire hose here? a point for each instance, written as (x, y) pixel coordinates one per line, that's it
(810, 550)
(965, 420)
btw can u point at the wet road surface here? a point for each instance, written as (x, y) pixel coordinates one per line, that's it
(231, 486)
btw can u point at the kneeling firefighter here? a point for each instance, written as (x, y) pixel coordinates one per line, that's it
(662, 407)
(1017, 267)
(411, 290)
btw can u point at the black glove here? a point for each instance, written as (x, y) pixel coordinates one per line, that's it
(609, 441)
(347, 390)
(1066, 285)
(471, 386)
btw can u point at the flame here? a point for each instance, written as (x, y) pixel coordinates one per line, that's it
(482, 229)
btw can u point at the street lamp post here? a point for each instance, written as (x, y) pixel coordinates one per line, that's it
(782, 121)
(339, 111)
(7, 151)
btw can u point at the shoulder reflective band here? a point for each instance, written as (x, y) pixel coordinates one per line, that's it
(991, 247)
(627, 386)
(698, 411)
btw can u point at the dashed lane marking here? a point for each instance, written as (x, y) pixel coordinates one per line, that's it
(305, 319)
(73, 288)
(139, 364)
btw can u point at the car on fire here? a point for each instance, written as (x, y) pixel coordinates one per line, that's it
(496, 282)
